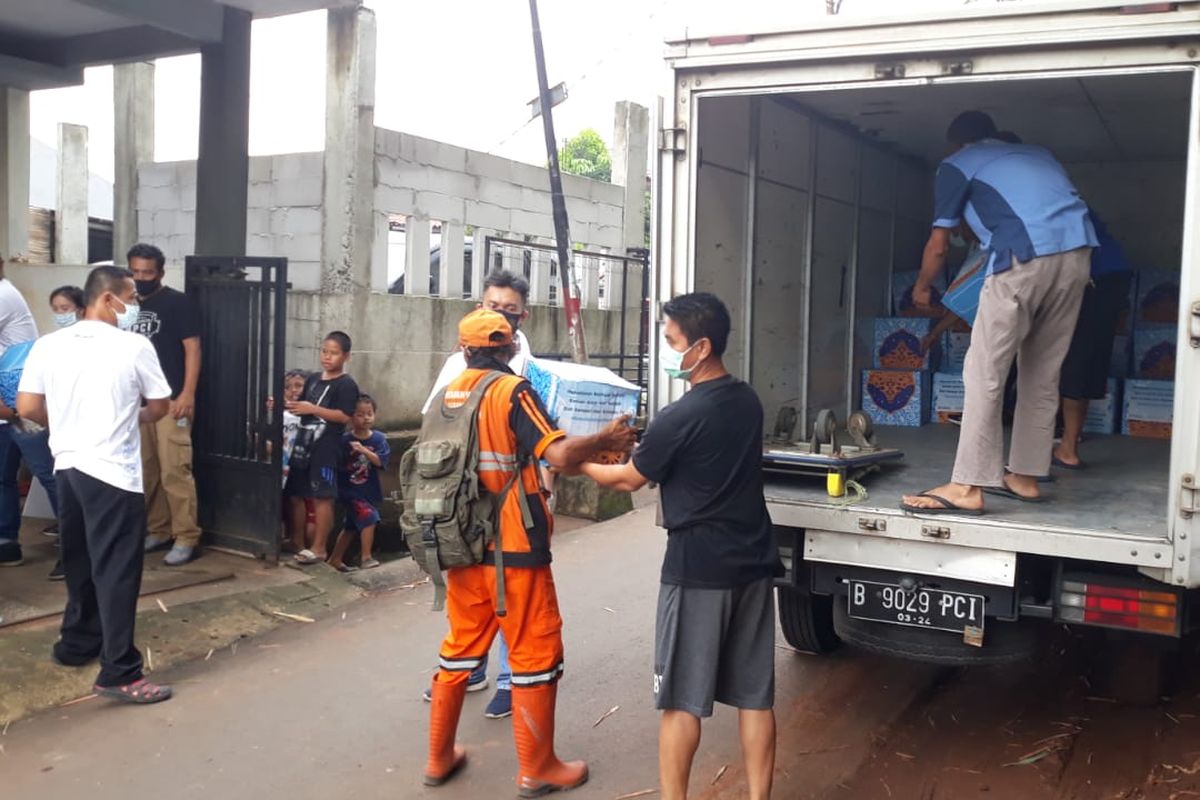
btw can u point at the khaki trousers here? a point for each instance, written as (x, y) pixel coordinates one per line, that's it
(167, 479)
(1027, 312)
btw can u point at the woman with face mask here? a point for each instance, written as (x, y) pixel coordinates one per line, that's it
(67, 304)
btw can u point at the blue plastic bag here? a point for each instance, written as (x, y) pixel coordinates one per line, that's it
(12, 365)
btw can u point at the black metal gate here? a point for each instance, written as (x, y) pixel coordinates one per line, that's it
(237, 437)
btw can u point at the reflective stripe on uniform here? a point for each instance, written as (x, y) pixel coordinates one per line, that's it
(460, 664)
(537, 678)
(490, 461)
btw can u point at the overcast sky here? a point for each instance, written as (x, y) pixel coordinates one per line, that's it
(459, 71)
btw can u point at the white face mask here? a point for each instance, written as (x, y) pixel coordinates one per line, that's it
(66, 319)
(128, 318)
(671, 361)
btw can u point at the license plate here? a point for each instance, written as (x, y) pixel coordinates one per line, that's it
(919, 608)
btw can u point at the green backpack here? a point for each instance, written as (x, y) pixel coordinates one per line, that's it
(448, 517)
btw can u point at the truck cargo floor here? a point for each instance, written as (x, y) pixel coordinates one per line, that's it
(1122, 490)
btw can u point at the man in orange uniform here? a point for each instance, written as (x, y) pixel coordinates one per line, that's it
(514, 432)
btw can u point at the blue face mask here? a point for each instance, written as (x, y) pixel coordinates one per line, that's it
(66, 319)
(128, 318)
(671, 361)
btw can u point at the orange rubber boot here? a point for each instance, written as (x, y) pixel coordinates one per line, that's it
(533, 731)
(445, 757)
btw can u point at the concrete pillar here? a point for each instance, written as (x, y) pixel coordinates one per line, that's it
(14, 172)
(539, 277)
(71, 211)
(416, 257)
(588, 273)
(133, 107)
(348, 224)
(223, 163)
(450, 264)
(479, 263)
(631, 143)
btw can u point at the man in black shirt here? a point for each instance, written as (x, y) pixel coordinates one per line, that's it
(715, 632)
(170, 320)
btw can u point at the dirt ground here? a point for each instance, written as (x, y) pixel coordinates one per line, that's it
(1049, 730)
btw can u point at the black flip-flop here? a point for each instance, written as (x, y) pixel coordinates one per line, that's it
(947, 507)
(1058, 462)
(1004, 491)
(1047, 478)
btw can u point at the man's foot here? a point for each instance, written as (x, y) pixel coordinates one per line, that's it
(307, 558)
(140, 692)
(51, 530)
(501, 705)
(71, 660)
(476, 683)
(1061, 458)
(1018, 487)
(10, 555)
(58, 573)
(368, 563)
(950, 498)
(340, 567)
(180, 554)
(156, 542)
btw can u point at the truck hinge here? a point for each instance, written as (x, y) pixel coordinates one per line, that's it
(889, 72)
(965, 67)
(672, 140)
(1194, 325)
(1187, 496)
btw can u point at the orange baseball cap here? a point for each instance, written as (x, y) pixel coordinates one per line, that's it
(484, 328)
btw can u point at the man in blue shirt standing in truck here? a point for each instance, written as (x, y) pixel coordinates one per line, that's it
(1022, 206)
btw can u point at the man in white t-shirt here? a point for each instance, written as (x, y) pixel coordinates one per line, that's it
(507, 294)
(16, 326)
(92, 384)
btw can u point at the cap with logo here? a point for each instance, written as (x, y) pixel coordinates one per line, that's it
(484, 328)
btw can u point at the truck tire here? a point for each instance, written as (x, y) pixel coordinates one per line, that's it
(807, 621)
(1004, 642)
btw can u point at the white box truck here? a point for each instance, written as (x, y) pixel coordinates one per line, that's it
(795, 177)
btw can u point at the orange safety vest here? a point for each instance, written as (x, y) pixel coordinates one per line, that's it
(524, 546)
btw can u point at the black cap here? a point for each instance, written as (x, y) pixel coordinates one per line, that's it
(970, 127)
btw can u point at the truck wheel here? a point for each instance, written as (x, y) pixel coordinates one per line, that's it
(1004, 642)
(807, 621)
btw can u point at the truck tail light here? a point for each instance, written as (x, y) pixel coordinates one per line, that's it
(1119, 607)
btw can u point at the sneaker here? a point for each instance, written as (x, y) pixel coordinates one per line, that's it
(474, 684)
(57, 574)
(501, 705)
(154, 542)
(10, 555)
(51, 530)
(180, 554)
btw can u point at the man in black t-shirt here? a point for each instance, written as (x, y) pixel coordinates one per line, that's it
(715, 630)
(170, 320)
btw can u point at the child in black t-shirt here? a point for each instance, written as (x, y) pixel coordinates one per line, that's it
(326, 406)
(365, 454)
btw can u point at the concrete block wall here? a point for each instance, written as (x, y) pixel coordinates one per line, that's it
(427, 180)
(401, 342)
(283, 217)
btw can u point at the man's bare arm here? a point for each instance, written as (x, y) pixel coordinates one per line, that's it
(154, 410)
(622, 477)
(32, 407)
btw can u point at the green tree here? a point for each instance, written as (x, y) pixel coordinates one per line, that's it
(586, 155)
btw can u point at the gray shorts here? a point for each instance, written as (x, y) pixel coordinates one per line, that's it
(715, 644)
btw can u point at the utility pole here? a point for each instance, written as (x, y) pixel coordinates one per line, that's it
(562, 229)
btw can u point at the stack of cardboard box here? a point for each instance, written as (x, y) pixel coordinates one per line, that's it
(1149, 400)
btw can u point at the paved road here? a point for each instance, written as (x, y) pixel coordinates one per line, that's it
(333, 709)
